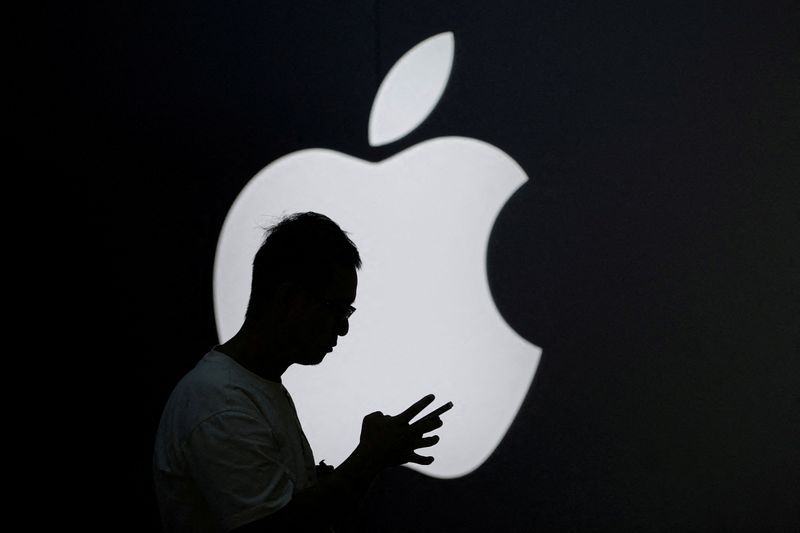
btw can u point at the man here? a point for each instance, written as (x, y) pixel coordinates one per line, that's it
(230, 453)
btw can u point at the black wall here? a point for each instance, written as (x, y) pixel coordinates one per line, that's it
(653, 254)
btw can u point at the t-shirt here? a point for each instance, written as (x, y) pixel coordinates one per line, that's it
(229, 449)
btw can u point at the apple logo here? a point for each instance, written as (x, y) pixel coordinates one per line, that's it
(426, 320)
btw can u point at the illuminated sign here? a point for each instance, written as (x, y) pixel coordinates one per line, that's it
(426, 320)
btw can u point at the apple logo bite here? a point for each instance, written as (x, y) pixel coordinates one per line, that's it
(426, 320)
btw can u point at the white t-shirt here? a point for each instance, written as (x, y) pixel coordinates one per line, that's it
(229, 449)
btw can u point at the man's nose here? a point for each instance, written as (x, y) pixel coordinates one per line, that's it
(343, 327)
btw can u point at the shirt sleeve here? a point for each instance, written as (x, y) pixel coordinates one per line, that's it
(235, 460)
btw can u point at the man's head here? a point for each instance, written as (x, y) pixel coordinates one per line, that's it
(305, 274)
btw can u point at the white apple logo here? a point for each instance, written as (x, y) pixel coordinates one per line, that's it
(426, 321)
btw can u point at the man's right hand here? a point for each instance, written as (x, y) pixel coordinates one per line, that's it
(385, 441)
(393, 440)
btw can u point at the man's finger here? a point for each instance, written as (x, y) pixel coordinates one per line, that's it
(416, 409)
(425, 425)
(420, 459)
(438, 411)
(426, 442)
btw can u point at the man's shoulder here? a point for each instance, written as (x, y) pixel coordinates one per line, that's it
(212, 382)
(218, 385)
(210, 371)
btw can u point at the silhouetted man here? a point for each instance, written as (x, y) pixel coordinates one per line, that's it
(230, 453)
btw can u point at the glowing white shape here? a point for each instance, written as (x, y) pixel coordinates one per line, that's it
(426, 320)
(411, 89)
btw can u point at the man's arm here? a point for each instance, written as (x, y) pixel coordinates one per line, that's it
(385, 441)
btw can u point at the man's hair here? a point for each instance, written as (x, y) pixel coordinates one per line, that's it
(301, 248)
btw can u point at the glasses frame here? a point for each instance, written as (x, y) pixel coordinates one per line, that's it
(344, 311)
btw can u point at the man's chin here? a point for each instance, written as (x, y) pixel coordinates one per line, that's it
(314, 358)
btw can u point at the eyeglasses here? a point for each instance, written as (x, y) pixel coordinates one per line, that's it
(344, 311)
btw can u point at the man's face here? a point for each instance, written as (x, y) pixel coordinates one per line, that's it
(322, 316)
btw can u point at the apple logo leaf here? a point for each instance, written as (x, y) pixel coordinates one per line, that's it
(411, 89)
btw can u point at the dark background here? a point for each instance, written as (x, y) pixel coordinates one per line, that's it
(653, 254)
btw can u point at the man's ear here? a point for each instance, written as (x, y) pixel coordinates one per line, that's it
(290, 300)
